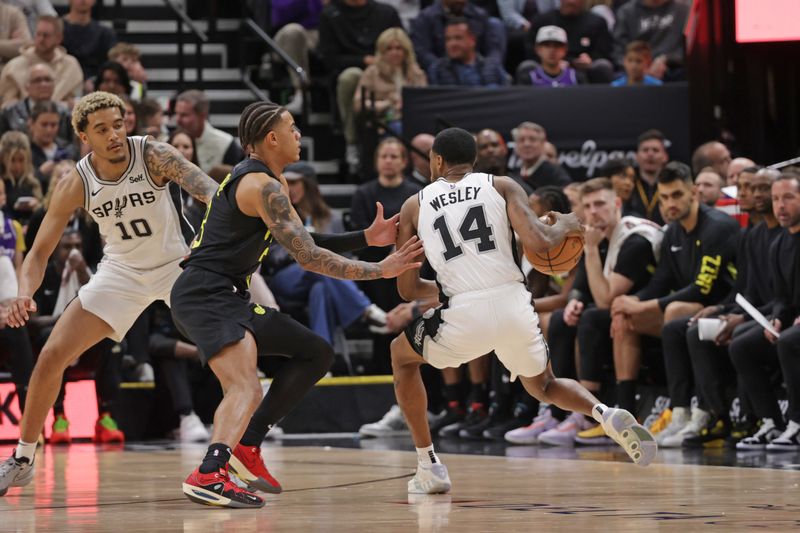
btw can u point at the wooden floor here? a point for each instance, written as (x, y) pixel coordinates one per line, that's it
(86, 488)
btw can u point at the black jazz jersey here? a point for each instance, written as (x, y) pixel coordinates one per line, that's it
(229, 242)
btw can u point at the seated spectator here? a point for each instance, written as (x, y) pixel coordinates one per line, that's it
(65, 274)
(151, 119)
(534, 170)
(214, 146)
(712, 154)
(659, 23)
(46, 148)
(382, 83)
(551, 153)
(589, 40)
(492, 153)
(428, 31)
(193, 210)
(298, 34)
(113, 78)
(39, 87)
(23, 190)
(638, 58)
(407, 9)
(622, 176)
(420, 157)
(45, 49)
(14, 32)
(708, 186)
(33, 9)
(651, 157)
(86, 39)
(12, 241)
(332, 303)
(463, 65)
(552, 71)
(735, 168)
(129, 56)
(131, 117)
(348, 31)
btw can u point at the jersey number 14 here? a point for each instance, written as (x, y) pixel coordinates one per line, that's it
(472, 228)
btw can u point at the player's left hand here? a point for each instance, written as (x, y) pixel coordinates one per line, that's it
(382, 231)
(402, 259)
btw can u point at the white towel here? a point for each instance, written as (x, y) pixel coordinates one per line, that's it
(631, 226)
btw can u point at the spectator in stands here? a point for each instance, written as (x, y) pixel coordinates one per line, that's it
(755, 372)
(86, 39)
(637, 60)
(535, 171)
(552, 70)
(659, 23)
(298, 34)
(589, 40)
(429, 36)
(193, 210)
(151, 118)
(23, 190)
(12, 241)
(14, 32)
(45, 49)
(332, 303)
(622, 175)
(736, 167)
(420, 157)
(33, 9)
(131, 117)
(40, 85)
(113, 78)
(382, 83)
(551, 153)
(214, 146)
(348, 31)
(46, 148)
(492, 153)
(463, 65)
(708, 185)
(712, 154)
(696, 269)
(129, 56)
(407, 9)
(651, 157)
(390, 189)
(65, 274)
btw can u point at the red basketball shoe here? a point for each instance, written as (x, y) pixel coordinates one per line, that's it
(60, 434)
(217, 489)
(106, 430)
(247, 464)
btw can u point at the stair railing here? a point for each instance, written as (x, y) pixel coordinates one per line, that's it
(182, 19)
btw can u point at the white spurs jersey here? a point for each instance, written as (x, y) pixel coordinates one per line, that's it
(467, 234)
(139, 220)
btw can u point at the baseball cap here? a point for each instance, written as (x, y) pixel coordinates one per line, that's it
(551, 34)
(299, 170)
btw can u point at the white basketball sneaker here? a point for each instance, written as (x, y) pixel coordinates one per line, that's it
(18, 473)
(431, 479)
(192, 429)
(634, 438)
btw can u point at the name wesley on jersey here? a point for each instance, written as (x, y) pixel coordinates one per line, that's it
(453, 197)
(118, 205)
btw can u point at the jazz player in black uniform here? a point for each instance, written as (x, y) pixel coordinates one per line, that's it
(210, 304)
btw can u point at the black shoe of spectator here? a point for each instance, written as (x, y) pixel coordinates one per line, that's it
(475, 431)
(448, 416)
(498, 431)
(474, 416)
(740, 430)
(711, 436)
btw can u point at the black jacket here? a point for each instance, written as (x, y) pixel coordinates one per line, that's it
(586, 33)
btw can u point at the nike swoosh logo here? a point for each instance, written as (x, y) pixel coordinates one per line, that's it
(94, 193)
(675, 248)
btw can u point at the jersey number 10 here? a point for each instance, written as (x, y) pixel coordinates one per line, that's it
(473, 228)
(139, 227)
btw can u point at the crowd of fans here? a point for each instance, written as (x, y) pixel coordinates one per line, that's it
(667, 245)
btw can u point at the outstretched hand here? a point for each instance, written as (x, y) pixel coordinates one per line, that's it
(402, 259)
(18, 311)
(382, 231)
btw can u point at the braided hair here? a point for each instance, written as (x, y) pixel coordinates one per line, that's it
(257, 120)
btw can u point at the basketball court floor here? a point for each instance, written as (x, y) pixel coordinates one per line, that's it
(88, 488)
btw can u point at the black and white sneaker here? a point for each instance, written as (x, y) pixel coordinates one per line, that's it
(789, 440)
(15, 473)
(767, 433)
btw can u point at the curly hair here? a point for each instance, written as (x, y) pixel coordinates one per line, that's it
(91, 103)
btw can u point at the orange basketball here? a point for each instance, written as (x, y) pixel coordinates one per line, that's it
(560, 259)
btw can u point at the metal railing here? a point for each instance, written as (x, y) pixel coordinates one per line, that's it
(182, 19)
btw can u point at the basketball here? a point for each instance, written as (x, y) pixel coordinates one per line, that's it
(560, 259)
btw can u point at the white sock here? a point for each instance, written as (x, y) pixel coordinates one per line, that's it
(26, 450)
(597, 412)
(426, 456)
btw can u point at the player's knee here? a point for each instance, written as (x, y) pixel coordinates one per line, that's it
(398, 352)
(321, 354)
(54, 358)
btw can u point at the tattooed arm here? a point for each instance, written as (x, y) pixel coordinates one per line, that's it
(259, 195)
(165, 163)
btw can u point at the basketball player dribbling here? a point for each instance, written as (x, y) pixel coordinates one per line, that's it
(467, 221)
(210, 305)
(124, 185)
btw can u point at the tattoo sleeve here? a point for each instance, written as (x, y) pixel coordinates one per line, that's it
(166, 163)
(288, 230)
